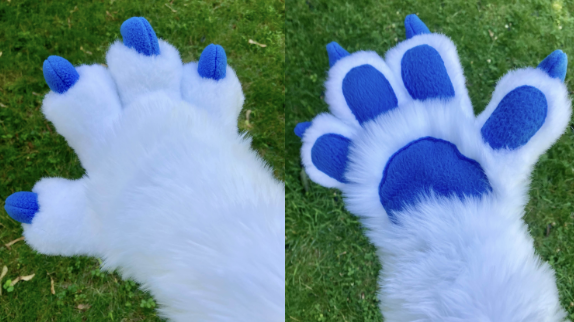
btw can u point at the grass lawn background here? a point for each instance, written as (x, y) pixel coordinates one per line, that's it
(30, 148)
(331, 267)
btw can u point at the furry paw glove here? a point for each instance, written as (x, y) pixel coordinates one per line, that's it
(441, 192)
(173, 196)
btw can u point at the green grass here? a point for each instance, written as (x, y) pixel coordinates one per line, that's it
(30, 148)
(331, 267)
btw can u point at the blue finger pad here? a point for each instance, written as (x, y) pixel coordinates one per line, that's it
(301, 128)
(555, 64)
(516, 118)
(139, 35)
(414, 26)
(59, 74)
(368, 93)
(329, 155)
(429, 164)
(22, 206)
(335, 52)
(212, 62)
(424, 74)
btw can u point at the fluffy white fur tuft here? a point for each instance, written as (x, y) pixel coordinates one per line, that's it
(450, 260)
(171, 199)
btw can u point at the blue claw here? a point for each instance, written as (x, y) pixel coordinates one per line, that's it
(555, 64)
(301, 128)
(335, 52)
(60, 74)
(22, 206)
(212, 62)
(139, 35)
(414, 26)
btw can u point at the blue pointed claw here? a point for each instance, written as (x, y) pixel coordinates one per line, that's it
(555, 64)
(22, 206)
(59, 73)
(301, 128)
(415, 26)
(212, 62)
(335, 52)
(139, 35)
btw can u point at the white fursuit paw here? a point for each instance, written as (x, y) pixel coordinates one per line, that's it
(173, 195)
(441, 192)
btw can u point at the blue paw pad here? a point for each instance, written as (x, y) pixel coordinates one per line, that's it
(59, 74)
(516, 119)
(329, 155)
(414, 26)
(429, 164)
(335, 52)
(301, 128)
(212, 62)
(555, 64)
(368, 93)
(424, 74)
(139, 35)
(22, 206)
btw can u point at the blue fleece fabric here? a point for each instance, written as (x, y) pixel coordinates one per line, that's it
(22, 206)
(335, 52)
(368, 93)
(516, 118)
(414, 26)
(139, 35)
(555, 64)
(329, 155)
(424, 74)
(429, 164)
(60, 74)
(301, 128)
(212, 62)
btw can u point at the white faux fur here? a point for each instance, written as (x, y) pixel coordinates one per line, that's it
(447, 259)
(463, 261)
(174, 201)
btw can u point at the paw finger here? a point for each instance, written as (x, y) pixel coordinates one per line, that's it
(142, 64)
(82, 105)
(529, 109)
(360, 86)
(139, 35)
(428, 66)
(326, 144)
(212, 85)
